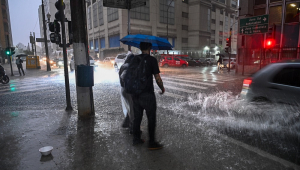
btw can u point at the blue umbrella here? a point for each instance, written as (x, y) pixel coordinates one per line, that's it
(157, 42)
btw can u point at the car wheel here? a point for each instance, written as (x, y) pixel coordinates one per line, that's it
(166, 65)
(183, 66)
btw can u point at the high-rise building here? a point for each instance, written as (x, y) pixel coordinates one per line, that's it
(194, 27)
(5, 28)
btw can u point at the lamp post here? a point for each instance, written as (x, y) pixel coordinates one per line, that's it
(168, 23)
(45, 36)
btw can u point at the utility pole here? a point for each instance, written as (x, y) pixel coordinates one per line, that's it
(45, 37)
(85, 99)
(168, 24)
(128, 29)
(34, 43)
(66, 72)
(11, 69)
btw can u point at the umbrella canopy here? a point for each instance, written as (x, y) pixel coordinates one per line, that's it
(21, 55)
(157, 42)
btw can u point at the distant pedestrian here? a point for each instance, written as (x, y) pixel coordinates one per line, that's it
(19, 62)
(126, 99)
(220, 62)
(146, 99)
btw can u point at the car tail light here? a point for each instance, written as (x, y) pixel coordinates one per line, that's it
(247, 82)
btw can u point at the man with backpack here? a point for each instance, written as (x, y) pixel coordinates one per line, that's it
(19, 62)
(138, 81)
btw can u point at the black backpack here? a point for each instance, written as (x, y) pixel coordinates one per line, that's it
(134, 77)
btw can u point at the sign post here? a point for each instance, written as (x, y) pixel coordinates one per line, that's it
(254, 25)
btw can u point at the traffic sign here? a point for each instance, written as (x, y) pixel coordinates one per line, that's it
(137, 3)
(41, 40)
(254, 25)
(115, 3)
(123, 3)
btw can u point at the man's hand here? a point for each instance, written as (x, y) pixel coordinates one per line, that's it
(159, 83)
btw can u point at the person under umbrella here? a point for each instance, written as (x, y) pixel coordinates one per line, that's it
(19, 62)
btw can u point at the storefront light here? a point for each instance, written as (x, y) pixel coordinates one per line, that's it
(293, 5)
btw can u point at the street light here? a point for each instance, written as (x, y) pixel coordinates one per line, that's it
(168, 23)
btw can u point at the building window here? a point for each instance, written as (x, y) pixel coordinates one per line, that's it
(100, 12)
(259, 2)
(208, 20)
(3, 2)
(96, 44)
(185, 27)
(292, 12)
(5, 26)
(173, 42)
(212, 42)
(89, 18)
(185, 1)
(213, 8)
(166, 11)
(142, 13)
(233, 4)
(114, 41)
(260, 11)
(291, 34)
(213, 21)
(112, 14)
(220, 42)
(222, 1)
(94, 1)
(271, 1)
(95, 16)
(4, 14)
(213, 31)
(184, 40)
(185, 15)
(221, 11)
(102, 42)
(275, 15)
(220, 33)
(91, 45)
(221, 22)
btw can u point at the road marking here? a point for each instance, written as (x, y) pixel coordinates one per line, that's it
(189, 81)
(214, 79)
(180, 89)
(183, 84)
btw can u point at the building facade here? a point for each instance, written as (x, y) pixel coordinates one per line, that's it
(5, 28)
(194, 27)
(253, 54)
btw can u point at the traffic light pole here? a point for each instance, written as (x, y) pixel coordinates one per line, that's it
(45, 37)
(11, 69)
(85, 99)
(63, 30)
(229, 49)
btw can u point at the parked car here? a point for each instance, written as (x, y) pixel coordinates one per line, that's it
(170, 61)
(191, 61)
(210, 61)
(119, 60)
(225, 63)
(92, 63)
(278, 82)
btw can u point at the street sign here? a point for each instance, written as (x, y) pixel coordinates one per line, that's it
(115, 3)
(41, 40)
(137, 3)
(254, 25)
(123, 3)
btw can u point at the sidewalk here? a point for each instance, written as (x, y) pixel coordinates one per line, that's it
(100, 142)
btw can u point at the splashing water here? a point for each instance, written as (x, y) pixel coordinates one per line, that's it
(225, 110)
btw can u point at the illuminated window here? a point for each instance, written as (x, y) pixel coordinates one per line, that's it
(292, 12)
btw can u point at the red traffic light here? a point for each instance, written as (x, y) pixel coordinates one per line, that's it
(227, 39)
(269, 43)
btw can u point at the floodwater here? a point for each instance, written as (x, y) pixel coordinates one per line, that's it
(273, 127)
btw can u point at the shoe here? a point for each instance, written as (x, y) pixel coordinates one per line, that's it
(138, 142)
(155, 146)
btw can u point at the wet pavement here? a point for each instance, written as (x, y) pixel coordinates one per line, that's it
(31, 119)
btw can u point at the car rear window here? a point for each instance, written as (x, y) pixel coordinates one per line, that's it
(288, 76)
(121, 56)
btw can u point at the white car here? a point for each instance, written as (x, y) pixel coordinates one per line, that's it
(92, 63)
(119, 60)
(225, 63)
(278, 82)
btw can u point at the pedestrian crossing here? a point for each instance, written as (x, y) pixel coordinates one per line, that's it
(181, 86)
(177, 86)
